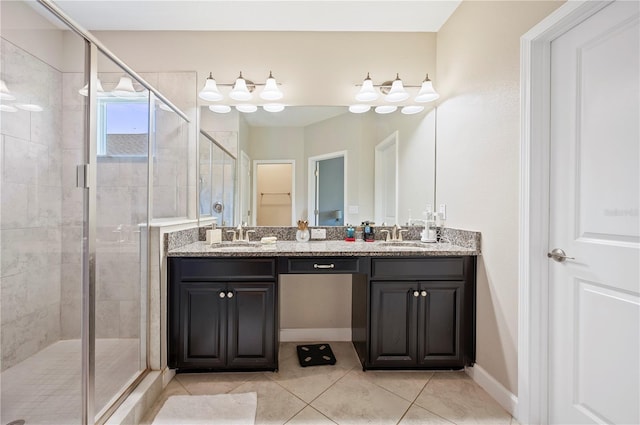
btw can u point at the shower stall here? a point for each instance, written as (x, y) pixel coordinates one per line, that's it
(90, 154)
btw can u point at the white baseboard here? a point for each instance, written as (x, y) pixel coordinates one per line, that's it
(503, 396)
(317, 334)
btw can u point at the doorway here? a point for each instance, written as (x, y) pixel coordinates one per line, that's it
(274, 193)
(580, 309)
(327, 189)
(386, 181)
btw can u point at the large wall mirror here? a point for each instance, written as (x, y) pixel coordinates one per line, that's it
(327, 165)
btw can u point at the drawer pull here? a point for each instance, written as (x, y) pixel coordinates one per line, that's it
(323, 266)
(423, 293)
(222, 295)
(416, 294)
(229, 294)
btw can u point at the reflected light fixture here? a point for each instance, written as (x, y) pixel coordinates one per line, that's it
(8, 108)
(367, 92)
(240, 91)
(210, 90)
(359, 108)
(30, 107)
(427, 92)
(386, 109)
(124, 88)
(247, 108)
(220, 109)
(5, 94)
(271, 90)
(85, 90)
(273, 107)
(412, 109)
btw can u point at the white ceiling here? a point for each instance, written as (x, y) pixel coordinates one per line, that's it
(261, 15)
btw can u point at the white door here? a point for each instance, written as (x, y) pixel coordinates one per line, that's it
(386, 181)
(594, 358)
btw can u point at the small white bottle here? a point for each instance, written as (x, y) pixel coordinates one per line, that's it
(214, 235)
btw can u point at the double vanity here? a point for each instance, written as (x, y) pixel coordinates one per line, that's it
(413, 303)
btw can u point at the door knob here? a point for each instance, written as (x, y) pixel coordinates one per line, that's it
(558, 255)
(222, 295)
(416, 294)
(423, 293)
(229, 294)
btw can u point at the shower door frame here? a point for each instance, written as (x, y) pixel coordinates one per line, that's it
(87, 180)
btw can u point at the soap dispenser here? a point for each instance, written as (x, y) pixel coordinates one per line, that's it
(214, 235)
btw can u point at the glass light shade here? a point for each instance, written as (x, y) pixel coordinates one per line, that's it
(386, 109)
(397, 92)
(5, 94)
(210, 91)
(271, 90)
(367, 92)
(220, 109)
(31, 107)
(240, 91)
(8, 108)
(426, 93)
(125, 88)
(412, 109)
(85, 90)
(359, 109)
(273, 107)
(246, 108)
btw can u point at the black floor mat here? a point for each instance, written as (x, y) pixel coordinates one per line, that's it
(315, 355)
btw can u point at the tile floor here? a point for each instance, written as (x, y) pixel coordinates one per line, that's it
(45, 388)
(344, 394)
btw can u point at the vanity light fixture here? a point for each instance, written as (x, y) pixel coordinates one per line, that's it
(394, 92)
(8, 108)
(6, 95)
(210, 90)
(124, 88)
(427, 92)
(242, 92)
(367, 92)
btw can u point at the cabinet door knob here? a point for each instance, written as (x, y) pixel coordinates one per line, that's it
(222, 295)
(423, 293)
(229, 294)
(416, 294)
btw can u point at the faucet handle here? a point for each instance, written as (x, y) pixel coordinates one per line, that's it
(400, 232)
(387, 232)
(246, 234)
(233, 238)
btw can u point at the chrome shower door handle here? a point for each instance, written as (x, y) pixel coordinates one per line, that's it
(558, 255)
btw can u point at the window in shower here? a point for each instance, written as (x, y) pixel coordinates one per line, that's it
(123, 127)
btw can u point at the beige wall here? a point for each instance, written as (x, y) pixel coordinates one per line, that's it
(478, 156)
(315, 68)
(274, 187)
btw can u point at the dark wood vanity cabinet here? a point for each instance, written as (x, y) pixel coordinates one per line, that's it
(222, 314)
(421, 313)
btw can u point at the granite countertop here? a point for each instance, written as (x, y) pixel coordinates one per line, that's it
(325, 248)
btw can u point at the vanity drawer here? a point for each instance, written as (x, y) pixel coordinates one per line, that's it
(204, 269)
(323, 265)
(441, 268)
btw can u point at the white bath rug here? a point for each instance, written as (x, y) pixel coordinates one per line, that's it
(221, 409)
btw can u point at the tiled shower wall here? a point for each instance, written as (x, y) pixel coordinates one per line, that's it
(31, 189)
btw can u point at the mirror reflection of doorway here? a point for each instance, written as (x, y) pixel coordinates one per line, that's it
(327, 189)
(386, 181)
(274, 194)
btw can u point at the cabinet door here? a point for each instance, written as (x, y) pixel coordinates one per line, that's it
(439, 324)
(203, 314)
(393, 324)
(251, 325)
